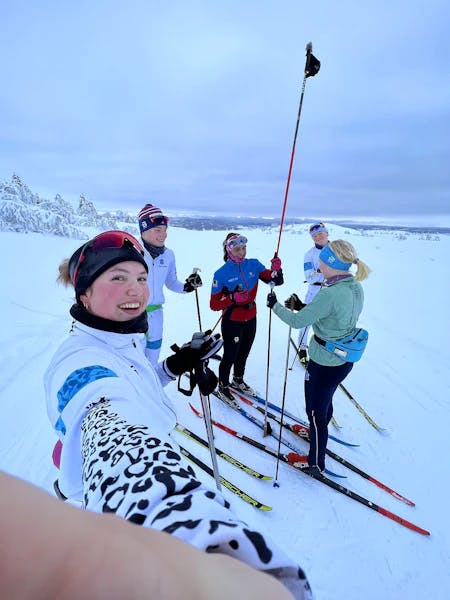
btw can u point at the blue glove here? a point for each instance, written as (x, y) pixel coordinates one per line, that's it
(271, 299)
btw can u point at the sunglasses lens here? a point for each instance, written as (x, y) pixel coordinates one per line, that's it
(115, 239)
(160, 220)
(237, 241)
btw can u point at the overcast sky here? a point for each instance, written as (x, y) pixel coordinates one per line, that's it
(192, 105)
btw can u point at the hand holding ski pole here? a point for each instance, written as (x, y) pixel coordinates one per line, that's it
(193, 282)
(271, 299)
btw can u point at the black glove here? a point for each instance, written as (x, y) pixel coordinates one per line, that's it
(205, 378)
(294, 303)
(271, 299)
(278, 278)
(192, 282)
(201, 347)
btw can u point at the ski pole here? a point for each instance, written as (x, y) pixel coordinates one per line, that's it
(195, 270)
(297, 350)
(266, 429)
(209, 434)
(275, 483)
(312, 66)
(296, 353)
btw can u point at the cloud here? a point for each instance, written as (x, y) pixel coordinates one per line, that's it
(196, 103)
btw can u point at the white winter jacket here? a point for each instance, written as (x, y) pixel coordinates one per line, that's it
(93, 364)
(311, 264)
(162, 271)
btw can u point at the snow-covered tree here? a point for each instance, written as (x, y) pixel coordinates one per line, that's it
(23, 211)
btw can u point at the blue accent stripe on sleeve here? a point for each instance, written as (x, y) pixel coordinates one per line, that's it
(154, 344)
(308, 266)
(79, 379)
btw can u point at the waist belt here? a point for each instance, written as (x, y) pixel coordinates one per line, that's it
(246, 306)
(152, 307)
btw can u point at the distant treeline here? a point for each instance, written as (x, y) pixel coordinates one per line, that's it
(228, 222)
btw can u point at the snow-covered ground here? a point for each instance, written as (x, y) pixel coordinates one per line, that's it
(348, 551)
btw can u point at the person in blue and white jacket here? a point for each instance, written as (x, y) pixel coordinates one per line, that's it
(313, 277)
(107, 405)
(233, 292)
(162, 272)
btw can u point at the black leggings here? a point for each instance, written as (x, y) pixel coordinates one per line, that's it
(320, 384)
(238, 339)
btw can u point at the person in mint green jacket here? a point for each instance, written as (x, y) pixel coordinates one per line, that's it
(333, 315)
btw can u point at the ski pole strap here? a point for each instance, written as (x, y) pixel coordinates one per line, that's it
(151, 307)
(187, 391)
(58, 491)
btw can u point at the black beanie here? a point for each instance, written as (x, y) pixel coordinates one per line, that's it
(95, 262)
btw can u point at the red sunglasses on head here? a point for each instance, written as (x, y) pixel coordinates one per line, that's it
(160, 220)
(108, 239)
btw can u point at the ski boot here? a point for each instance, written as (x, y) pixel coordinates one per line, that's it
(225, 394)
(239, 384)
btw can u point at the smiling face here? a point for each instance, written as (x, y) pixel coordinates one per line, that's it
(156, 236)
(118, 294)
(320, 238)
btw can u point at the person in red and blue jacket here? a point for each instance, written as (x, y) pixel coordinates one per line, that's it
(233, 292)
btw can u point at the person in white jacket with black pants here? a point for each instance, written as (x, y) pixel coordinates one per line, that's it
(162, 272)
(313, 277)
(107, 405)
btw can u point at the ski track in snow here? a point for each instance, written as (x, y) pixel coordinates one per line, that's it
(348, 551)
(18, 361)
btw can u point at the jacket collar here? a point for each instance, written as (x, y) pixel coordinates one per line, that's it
(337, 278)
(137, 325)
